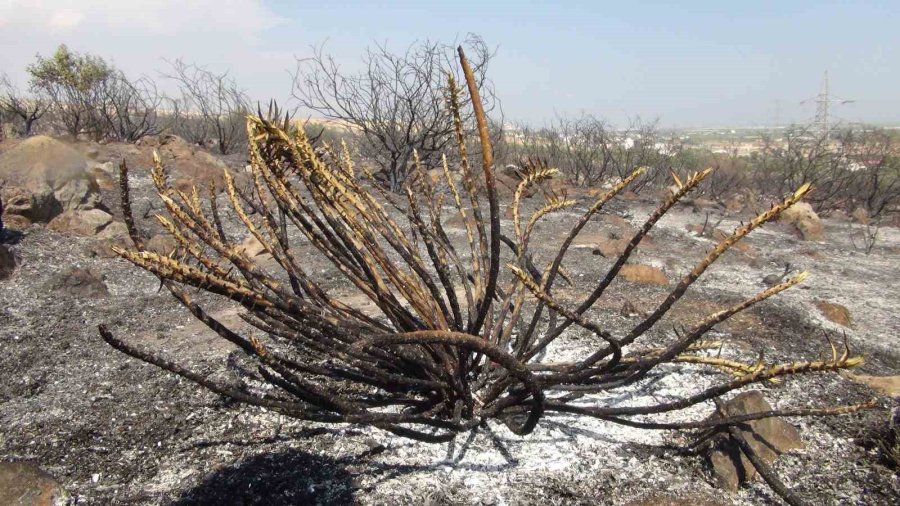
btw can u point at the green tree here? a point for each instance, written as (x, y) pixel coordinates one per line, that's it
(74, 84)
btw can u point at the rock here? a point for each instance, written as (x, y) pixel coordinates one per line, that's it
(104, 180)
(887, 385)
(38, 207)
(251, 247)
(643, 274)
(43, 166)
(86, 223)
(80, 193)
(610, 248)
(768, 437)
(115, 231)
(15, 222)
(163, 244)
(802, 216)
(834, 312)
(7, 262)
(79, 282)
(23, 484)
(114, 234)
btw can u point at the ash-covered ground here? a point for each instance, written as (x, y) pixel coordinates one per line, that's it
(116, 430)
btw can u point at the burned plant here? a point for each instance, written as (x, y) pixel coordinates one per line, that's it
(459, 330)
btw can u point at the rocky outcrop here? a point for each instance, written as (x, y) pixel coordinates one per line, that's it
(43, 177)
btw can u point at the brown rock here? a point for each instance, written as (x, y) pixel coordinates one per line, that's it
(610, 248)
(643, 274)
(35, 207)
(163, 244)
(23, 484)
(86, 223)
(7, 262)
(769, 437)
(114, 234)
(834, 312)
(103, 179)
(887, 385)
(45, 168)
(251, 247)
(802, 216)
(15, 222)
(79, 282)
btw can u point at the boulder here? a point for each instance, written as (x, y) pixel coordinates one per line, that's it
(114, 234)
(42, 166)
(834, 312)
(39, 207)
(86, 223)
(769, 437)
(802, 216)
(24, 484)
(82, 193)
(80, 282)
(643, 274)
(7, 262)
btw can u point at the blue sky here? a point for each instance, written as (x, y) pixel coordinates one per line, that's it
(696, 63)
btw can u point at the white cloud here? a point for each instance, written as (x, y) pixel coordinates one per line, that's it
(242, 18)
(65, 19)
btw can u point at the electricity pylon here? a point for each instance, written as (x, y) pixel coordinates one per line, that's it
(823, 106)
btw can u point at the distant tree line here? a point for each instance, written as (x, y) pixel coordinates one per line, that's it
(396, 105)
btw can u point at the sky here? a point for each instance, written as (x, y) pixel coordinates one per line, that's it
(686, 64)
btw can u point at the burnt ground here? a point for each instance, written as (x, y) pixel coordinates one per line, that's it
(115, 430)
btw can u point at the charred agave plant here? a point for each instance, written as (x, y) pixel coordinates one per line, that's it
(459, 329)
